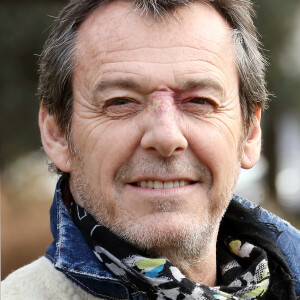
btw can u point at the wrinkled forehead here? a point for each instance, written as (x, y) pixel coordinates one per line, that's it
(119, 24)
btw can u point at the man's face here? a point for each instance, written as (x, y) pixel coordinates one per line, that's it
(157, 127)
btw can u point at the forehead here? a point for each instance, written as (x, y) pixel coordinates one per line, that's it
(119, 25)
(190, 41)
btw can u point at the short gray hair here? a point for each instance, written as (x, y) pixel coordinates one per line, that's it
(57, 60)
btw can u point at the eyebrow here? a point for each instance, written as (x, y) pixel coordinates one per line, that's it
(191, 84)
(117, 83)
(200, 84)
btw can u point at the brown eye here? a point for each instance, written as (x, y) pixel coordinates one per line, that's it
(200, 101)
(121, 107)
(198, 106)
(118, 102)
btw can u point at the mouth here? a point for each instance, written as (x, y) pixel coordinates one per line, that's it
(156, 184)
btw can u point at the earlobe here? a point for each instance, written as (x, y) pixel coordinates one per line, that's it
(252, 144)
(54, 142)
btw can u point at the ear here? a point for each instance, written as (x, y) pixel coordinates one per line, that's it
(54, 142)
(252, 145)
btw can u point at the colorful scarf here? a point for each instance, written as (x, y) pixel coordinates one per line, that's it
(243, 267)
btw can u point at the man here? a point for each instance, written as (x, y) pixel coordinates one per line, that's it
(148, 110)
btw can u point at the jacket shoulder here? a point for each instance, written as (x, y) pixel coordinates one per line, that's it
(288, 240)
(40, 280)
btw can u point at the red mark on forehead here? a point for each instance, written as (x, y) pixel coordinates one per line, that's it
(174, 94)
(164, 101)
(163, 93)
(164, 89)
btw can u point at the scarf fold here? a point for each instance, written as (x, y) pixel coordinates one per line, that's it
(243, 266)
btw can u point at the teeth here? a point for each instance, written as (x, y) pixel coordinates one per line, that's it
(150, 184)
(182, 183)
(176, 184)
(168, 184)
(155, 184)
(158, 184)
(144, 184)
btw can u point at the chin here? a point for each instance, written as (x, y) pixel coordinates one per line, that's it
(182, 233)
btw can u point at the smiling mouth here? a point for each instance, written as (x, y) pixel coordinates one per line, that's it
(156, 184)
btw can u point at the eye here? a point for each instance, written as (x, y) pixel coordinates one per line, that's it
(118, 102)
(198, 106)
(122, 107)
(200, 101)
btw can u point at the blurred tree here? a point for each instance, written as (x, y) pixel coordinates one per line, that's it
(275, 22)
(24, 29)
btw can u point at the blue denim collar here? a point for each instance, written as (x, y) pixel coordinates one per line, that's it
(71, 255)
(288, 241)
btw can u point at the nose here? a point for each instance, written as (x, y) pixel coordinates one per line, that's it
(164, 134)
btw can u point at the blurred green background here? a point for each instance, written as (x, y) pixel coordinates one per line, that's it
(26, 186)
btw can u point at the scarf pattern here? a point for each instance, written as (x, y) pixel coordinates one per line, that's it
(243, 267)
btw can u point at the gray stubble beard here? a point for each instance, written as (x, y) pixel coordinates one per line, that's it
(193, 242)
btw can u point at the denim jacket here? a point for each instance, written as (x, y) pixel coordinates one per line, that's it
(71, 255)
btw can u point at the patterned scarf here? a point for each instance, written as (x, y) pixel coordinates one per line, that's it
(243, 267)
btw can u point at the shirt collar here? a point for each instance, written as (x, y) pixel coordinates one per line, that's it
(71, 255)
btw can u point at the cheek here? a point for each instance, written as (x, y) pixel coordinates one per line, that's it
(217, 150)
(109, 148)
